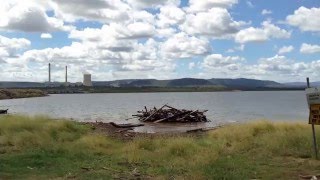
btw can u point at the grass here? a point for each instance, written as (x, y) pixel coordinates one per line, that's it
(40, 148)
(20, 93)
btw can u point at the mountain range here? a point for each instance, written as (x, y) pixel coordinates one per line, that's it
(240, 83)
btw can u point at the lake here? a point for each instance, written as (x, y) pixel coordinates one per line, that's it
(223, 107)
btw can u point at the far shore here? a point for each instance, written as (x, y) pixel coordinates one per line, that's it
(44, 91)
(21, 93)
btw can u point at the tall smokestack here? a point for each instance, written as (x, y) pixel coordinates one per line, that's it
(49, 73)
(66, 74)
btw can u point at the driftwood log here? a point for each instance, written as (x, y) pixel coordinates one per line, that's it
(125, 125)
(170, 114)
(4, 111)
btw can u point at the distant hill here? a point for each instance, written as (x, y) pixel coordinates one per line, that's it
(245, 83)
(240, 83)
(301, 84)
(4, 84)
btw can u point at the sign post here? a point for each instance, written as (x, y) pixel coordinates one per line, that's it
(313, 98)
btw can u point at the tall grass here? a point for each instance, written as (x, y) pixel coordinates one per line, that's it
(57, 148)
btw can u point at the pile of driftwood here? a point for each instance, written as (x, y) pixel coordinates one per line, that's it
(170, 114)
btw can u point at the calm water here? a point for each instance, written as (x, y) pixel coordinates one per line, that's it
(223, 107)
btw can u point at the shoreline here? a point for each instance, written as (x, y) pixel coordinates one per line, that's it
(6, 94)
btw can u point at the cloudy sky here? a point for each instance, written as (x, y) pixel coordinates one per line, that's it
(162, 39)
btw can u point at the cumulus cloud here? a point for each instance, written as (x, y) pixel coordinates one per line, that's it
(46, 36)
(133, 30)
(100, 10)
(285, 49)
(219, 61)
(146, 38)
(196, 5)
(182, 45)
(266, 32)
(278, 68)
(11, 47)
(305, 19)
(29, 17)
(217, 23)
(309, 48)
(170, 15)
(141, 4)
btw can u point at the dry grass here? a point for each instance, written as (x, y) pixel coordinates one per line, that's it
(37, 147)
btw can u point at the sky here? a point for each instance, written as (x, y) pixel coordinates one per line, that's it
(160, 39)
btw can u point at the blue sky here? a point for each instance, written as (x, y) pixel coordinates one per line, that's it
(162, 39)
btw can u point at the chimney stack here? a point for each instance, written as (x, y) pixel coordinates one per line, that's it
(49, 73)
(66, 75)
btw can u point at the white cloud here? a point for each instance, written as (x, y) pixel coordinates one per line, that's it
(133, 30)
(46, 36)
(216, 61)
(11, 47)
(170, 15)
(205, 5)
(145, 39)
(100, 10)
(217, 23)
(278, 68)
(309, 48)
(120, 58)
(285, 49)
(141, 4)
(305, 19)
(266, 32)
(29, 17)
(266, 12)
(183, 46)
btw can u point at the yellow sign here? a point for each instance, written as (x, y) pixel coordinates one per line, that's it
(314, 116)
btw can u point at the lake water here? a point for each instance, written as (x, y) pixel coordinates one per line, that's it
(223, 107)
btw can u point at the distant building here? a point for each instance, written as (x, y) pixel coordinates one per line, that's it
(87, 80)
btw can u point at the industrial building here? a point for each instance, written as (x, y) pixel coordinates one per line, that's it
(87, 80)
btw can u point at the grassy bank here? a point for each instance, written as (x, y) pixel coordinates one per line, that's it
(20, 93)
(39, 148)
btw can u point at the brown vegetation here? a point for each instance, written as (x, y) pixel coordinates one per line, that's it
(20, 93)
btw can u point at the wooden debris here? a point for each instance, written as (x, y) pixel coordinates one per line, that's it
(170, 114)
(203, 129)
(125, 125)
(86, 168)
(309, 177)
(4, 111)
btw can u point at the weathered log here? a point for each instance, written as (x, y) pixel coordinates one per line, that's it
(125, 125)
(203, 129)
(172, 117)
(153, 113)
(4, 111)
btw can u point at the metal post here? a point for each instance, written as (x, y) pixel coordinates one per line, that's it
(313, 130)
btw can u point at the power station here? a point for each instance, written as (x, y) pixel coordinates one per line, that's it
(86, 79)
